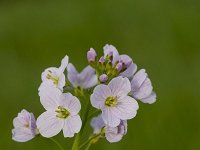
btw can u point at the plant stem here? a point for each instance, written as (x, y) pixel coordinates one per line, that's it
(89, 140)
(76, 142)
(57, 143)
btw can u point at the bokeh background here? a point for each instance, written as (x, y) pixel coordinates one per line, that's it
(162, 36)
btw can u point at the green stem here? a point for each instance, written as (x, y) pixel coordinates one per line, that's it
(57, 143)
(84, 118)
(89, 140)
(88, 146)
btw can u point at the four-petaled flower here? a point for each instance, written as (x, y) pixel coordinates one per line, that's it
(61, 113)
(24, 127)
(114, 101)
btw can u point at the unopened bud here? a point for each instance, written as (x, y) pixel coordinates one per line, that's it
(91, 55)
(103, 78)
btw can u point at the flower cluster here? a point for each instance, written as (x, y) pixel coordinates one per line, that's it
(110, 83)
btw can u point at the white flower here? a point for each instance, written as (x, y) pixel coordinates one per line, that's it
(61, 113)
(114, 101)
(112, 134)
(54, 77)
(141, 87)
(86, 79)
(24, 127)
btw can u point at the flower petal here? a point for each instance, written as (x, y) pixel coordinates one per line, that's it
(109, 117)
(126, 108)
(138, 79)
(71, 102)
(120, 86)
(100, 93)
(49, 125)
(64, 63)
(22, 134)
(111, 49)
(129, 72)
(150, 99)
(97, 124)
(72, 125)
(49, 97)
(112, 134)
(72, 75)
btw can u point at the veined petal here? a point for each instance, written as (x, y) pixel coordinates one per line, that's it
(120, 86)
(22, 119)
(112, 134)
(150, 99)
(72, 125)
(129, 72)
(49, 125)
(49, 97)
(97, 124)
(72, 75)
(126, 108)
(64, 63)
(100, 93)
(71, 102)
(109, 117)
(138, 79)
(22, 134)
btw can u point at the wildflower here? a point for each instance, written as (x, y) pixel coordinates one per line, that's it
(24, 127)
(114, 102)
(103, 78)
(141, 87)
(61, 113)
(86, 79)
(54, 77)
(112, 134)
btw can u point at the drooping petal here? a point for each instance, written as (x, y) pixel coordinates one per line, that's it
(97, 124)
(112, 134)
(129, 72)
(70, 102)
(22, 134)
(109, 117)
(100, 93)
(22, 119)
(144, 90)
(49, 97)
(150, 99)
(111, 49)
(138, 79)
(126, 108)
(88, 77)
(48, 124)
(72, 125)
(64, 63)
(72, 75)
(120, 86)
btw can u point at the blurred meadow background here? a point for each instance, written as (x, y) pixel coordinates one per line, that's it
(162, 36)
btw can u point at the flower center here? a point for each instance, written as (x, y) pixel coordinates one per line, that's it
(111, 101)
(62, 112)
(51, 77)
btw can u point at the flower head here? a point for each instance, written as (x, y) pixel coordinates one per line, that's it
(141, 87)
(114, 102)
(24, 127)
(61, 113)
(54, 77)
(86, 79)
(112, 134)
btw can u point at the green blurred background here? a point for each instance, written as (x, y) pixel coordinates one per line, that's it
(162, 36)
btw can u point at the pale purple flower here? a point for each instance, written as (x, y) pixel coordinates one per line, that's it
(103, 78)
(54, 77)
(24, 127)
(91, 55)
(141, 87)
(101, 60)
(112, 134)
(86, 79)
(61, 113)
(114, 102)
(127, 63)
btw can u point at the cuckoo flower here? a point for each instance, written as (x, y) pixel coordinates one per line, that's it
(86, 79)
(112, 134)
(61, 113)
(24, 127)
(114, 102)
(54, 77)
(124, 64)
(141, 87)
(91, 55)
